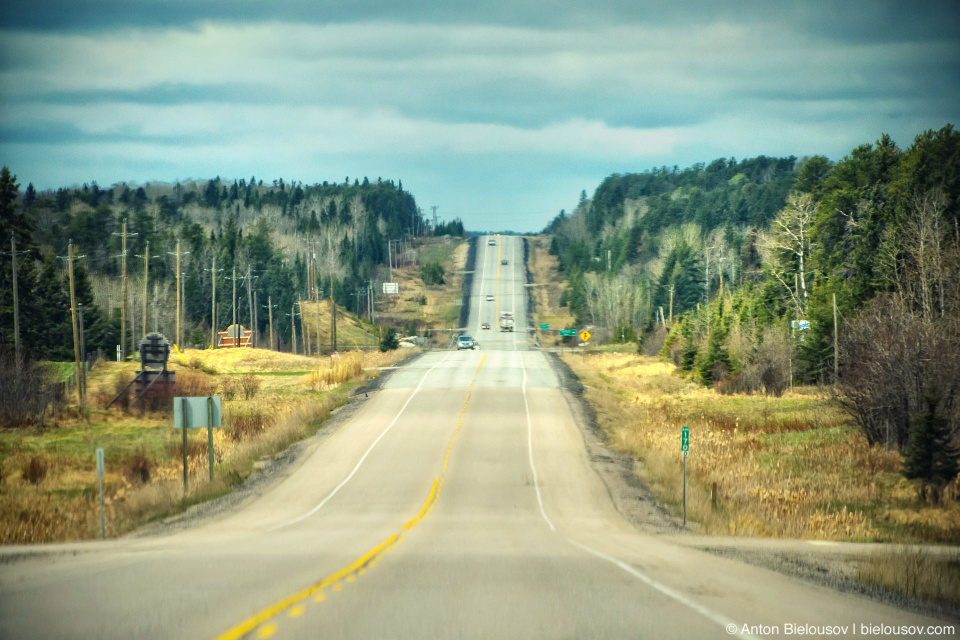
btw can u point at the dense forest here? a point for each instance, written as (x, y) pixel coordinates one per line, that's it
(757, 274)
(268, 240)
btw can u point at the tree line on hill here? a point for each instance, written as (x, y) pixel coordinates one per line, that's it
(756, 274)
(285, 241)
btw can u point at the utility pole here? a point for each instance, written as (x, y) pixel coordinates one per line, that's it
(16, 298)
(123, 289)
(293, 326)
(333, 315)
(179, 283)
(270, 312)
(73, 317)
(318, 326)
(178, 293)
(836, 348)
(671, 305)
(249, 298)
(390, 258)
(434, 207)
(213, 302)
(146, 280)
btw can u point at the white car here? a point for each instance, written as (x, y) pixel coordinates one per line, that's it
(466, 342)
(489, 298)
(492, 243)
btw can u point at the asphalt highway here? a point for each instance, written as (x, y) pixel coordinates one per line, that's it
(458, 502)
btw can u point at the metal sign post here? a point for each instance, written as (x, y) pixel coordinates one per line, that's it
(685, 448)
(185, 426)
(100, 478)
(197, 412)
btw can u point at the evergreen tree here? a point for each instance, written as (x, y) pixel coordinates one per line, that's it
(931, 456)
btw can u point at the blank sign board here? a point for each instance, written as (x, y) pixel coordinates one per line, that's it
(197, 412)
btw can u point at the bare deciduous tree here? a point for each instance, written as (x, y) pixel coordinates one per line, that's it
(789, 242)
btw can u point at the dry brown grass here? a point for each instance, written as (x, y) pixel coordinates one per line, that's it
(783, 467)
(543, 270)
(335, 370)
(429, 307)
(916, 572)
(143, 477)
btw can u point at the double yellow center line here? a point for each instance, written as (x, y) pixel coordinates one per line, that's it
(262, 620)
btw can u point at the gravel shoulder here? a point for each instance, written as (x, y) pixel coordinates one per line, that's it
(832, 565)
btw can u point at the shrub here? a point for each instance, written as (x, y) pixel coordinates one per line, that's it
(27, 392)
(250, 385)
(389, 340)
(35, 470)
(247, 424)
(138, 468)
(432, 273)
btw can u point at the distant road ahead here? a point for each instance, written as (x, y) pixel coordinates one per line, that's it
(458, 502)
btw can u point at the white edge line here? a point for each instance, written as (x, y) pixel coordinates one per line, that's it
(667, 591)
(364, 457)
(676, 595)
(536, 482)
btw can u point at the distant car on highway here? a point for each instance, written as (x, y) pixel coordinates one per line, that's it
(485, 325)
(492, 243)
(466, 342)
(504, 261)
(489, 297)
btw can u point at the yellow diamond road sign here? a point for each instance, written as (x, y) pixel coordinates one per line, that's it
(584, 335)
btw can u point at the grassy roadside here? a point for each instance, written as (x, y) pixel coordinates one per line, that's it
(783, 467)
(418, 306)
(547, 292)
(774, 467)
(48, 486)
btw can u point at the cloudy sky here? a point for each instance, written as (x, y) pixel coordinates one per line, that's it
(498, 112)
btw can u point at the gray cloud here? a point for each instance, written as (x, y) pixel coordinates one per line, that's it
(505, 107)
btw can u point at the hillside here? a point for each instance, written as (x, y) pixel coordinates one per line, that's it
(256, 243)
(751, 276)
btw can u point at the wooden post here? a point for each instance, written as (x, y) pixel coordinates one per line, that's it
(73, 315)
(234, 294)
(318, 327)
(256, 321)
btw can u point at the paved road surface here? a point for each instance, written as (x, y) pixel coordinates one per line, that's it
(458, 502)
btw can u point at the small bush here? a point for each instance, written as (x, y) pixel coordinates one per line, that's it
(35, 470)
(229, 387)
(247, 424)
(193, 384)
(250, 385)
(138, 468)
(28, 392)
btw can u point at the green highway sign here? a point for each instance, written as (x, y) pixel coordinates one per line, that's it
(544, 327)
(568, 333)
(685, 440)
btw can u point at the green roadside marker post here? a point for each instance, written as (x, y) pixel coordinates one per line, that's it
(100, 478)
(685, 448)
(545, 327)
